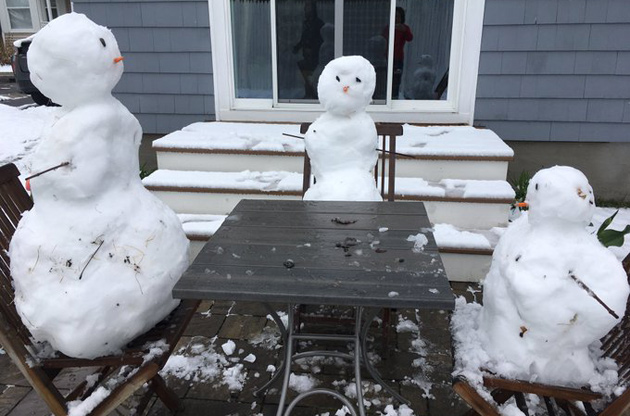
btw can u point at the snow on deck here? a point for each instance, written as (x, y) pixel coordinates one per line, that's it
(291, 182)
(453, 141)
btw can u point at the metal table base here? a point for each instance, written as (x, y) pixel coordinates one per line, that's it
(290, 334)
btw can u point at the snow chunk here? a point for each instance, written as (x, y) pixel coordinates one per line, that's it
(302, 383)
(419, 241)
(229, 347)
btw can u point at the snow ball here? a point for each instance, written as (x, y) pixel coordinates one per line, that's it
(250, 358)
(560, 193)
(229, 347)
(271, 368)
(346, 85)
(393, 294)
(434, 290)
(67, 77)
(302, 383)
(383, 229)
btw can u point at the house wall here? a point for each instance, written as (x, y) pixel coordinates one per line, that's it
(167, 81)
(555, 70)
(554, 81)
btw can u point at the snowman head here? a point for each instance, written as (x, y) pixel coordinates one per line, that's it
(73, 60)
(560, 193)
(346, 85)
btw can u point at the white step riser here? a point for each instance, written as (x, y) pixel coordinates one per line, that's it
(459, 267)
(214, 162)
(431, 170)
(459, 214)
(465, 267)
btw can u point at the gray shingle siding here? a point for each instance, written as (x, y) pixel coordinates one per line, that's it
(167, 81)
(555, 70)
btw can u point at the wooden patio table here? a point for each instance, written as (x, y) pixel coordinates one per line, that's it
(322, 253)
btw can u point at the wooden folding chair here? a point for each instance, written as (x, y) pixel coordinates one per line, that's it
(129, 367)
(615, 345)
(388, 132)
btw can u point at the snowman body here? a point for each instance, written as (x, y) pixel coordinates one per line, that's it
(95, 260)
(342, 142)
(537, 321)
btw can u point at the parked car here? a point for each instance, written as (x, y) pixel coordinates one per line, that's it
(19, 63)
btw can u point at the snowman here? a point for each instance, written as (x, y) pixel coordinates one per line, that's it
(553, 290)
(95, 260)
(342, 142)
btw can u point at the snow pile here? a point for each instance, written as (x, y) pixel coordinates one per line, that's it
(447, 235)
(22, 130)
(342, 142)
(198, 362)
(95, 260)
(552, 292)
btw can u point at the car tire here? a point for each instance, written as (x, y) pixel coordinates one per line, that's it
(41, 99)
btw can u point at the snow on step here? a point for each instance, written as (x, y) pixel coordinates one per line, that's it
(234, 136)
(291, 183)
(427, 141)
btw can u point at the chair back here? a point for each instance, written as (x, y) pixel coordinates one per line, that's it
(14, 201)
(616, 344)
(387, 159)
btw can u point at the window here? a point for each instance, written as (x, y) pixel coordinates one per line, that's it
(268, 55)
(19, 14)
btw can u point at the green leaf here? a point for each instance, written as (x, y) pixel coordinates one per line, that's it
(606, 223)
(613, 238)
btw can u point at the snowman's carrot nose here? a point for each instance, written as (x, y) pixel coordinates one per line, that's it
(120, 58)
(28, 185)
(346, 88)
(522, 204)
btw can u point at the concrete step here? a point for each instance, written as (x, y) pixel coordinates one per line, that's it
(466, 254)
(434, 152)
(464, 203)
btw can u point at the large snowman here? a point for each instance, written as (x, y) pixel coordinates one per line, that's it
(538, 318)
(95, 260)
(342, 142)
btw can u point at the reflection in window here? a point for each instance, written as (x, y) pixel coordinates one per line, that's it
(363, 24)
(305, 44)
(251, 40)
(423, 61)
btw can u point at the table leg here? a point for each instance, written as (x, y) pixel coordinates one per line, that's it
(373, 372)
(288, 357)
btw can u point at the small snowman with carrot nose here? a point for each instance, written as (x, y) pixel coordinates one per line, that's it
(342, 142)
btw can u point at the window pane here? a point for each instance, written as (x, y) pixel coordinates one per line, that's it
(20, 19)
(17, 3)
(365, 26)
(422, 62)
(251, 39)
(305, 44)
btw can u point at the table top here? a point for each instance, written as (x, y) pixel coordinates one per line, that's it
(317, 252)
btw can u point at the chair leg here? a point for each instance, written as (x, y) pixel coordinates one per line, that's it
(385, 330)
(520, 402)
(474, 399)
(164, 393)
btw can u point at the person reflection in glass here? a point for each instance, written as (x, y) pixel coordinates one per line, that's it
(402, 34)
(310, 42)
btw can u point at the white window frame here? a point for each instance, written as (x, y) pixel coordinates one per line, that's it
(457, 108)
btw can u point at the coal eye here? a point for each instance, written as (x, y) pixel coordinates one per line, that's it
(338, 80)
(103, 42)
(358, 79)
